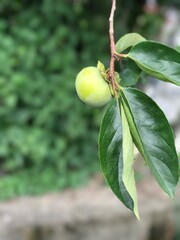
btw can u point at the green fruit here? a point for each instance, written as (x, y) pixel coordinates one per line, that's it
(91, 87)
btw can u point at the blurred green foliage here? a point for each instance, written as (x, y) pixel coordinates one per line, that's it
(48, 138)
(45, 142)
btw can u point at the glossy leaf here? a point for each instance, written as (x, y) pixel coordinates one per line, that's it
(116, 158)
(157, 60)
(130, 73)
(127, 41)
(153, 137)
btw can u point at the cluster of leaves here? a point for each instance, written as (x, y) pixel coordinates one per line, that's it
(134, 118)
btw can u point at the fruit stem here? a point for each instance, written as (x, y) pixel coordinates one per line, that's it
(112, 49)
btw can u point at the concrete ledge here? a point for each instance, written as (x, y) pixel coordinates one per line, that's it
(88, 214)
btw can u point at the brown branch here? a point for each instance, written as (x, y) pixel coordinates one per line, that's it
(112, 47)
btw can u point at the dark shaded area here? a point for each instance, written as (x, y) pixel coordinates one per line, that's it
(164, 231)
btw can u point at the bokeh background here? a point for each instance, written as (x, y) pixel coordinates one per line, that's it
(48, 138)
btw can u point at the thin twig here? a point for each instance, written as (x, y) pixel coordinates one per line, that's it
(112, 47)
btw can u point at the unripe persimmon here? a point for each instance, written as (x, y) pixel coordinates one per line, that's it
(91, 87)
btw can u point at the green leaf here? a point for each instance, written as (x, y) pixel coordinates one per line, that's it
(153, 137)
(157, 60)
(128, 159)
(127, 41)
(130, 73)
(178, 49)
(116, 156)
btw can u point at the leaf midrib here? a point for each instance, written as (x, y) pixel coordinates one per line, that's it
(150, 128)
(144, 153)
